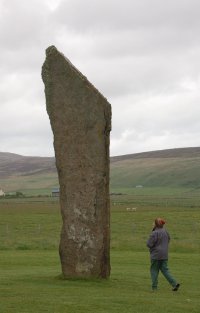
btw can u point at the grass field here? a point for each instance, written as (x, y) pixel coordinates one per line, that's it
(30, 266)
(157, 197)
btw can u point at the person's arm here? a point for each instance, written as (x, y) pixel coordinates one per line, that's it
(168, 237)
(152, 240)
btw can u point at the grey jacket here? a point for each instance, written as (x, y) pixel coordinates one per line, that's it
(158, 244)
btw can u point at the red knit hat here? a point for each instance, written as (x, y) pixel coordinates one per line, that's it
(159, 222)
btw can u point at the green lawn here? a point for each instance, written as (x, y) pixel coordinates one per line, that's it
(30, 266)
(30, 283)
(157, 196)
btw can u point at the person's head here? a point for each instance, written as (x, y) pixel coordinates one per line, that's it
(159, 222)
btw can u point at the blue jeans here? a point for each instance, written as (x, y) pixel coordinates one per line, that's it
(160, 265)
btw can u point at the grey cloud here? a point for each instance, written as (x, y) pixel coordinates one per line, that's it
(142, 55)
(25, 129)
(30, 145)
(157, 122)
(115, 15)
(20, 23)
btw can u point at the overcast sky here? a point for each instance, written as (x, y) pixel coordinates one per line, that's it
(143, 55)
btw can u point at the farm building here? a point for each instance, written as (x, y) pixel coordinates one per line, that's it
(2, 193)
(55, 192)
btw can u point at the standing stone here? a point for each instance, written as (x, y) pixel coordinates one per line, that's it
(80, 118)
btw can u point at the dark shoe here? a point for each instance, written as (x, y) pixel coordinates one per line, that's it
(176, 287)
(154, 289)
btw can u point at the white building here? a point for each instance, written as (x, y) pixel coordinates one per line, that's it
(2, 193)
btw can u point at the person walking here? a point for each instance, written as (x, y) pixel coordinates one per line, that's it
(158, 247)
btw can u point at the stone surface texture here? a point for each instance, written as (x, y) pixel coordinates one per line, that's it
(80, 118)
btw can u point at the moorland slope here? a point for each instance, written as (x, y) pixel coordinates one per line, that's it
(163, 168)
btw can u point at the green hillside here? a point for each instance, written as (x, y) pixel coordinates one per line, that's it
(156, 172)
(172, 168)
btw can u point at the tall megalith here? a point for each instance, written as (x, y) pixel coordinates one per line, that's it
(80, 118)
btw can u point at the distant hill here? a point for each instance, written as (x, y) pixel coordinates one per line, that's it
(16, 165)
(167, 153)
(163, 168)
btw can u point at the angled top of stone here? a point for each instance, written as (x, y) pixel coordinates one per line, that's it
(53, 51)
